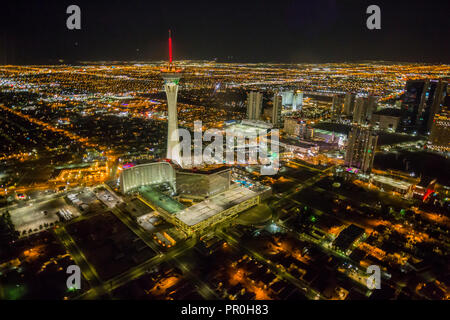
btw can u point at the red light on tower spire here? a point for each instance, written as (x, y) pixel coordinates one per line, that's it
(170, 48)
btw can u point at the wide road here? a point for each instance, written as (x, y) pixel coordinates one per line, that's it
(203, 289)
(136, 228)
(88, 270)
(305, 184)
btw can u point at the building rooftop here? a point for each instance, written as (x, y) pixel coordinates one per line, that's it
(249, 127)
(214, 205)
(393, 112)
(298, 143)
(159, 199)
(333, 127)
(209, 169)
(393, 182)
(348, 236)
(257, 123)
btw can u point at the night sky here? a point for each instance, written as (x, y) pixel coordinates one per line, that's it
(234, 31)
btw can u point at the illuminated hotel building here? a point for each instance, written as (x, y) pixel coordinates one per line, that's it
(440, 95)
(292, 100)
(421, 101)
(349, 103)
(440, 130)
(363, 109)
(297, 101)
(276, 110)
(200, 184)
(147, 174)
(360, 153)
(359, 113)
(336, 106)
(372, 105)
(288, 97)
(254, 105)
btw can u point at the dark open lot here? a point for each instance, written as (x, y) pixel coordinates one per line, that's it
(288, 177)
(35, 268)
(421, 163)
(109, 245)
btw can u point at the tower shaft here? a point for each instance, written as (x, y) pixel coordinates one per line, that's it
(173, 151)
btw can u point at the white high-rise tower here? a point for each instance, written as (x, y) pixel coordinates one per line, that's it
(171, 77)
(276, 109)
(254, 105)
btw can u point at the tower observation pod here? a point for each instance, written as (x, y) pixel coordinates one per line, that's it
(171, 76)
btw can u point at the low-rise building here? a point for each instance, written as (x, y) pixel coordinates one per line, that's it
(217, 209)
(392, 185)
(386, 119)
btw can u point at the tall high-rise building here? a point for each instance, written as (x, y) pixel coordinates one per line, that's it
(440, 95)
(412, 102)
(297, 101)
(363, 110)
(254, 105)
(349, 103)
(360, 153)
(360, 110)
(440, 128)
(440, 131)
(288, 97)
(276, 110)
(337, 106)
(421, 101)
(171, 77)
(292, 99)
(372, 105)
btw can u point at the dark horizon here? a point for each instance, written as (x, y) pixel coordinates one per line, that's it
(249, 31)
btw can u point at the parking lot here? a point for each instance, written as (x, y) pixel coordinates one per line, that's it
(106, 197)
(148, 221)
(42, 215)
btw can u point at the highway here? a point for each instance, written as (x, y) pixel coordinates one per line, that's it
(88, 270)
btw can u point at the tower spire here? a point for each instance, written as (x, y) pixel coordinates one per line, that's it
(170, 48)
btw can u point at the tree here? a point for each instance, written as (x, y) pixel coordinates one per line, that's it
(8, 233)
